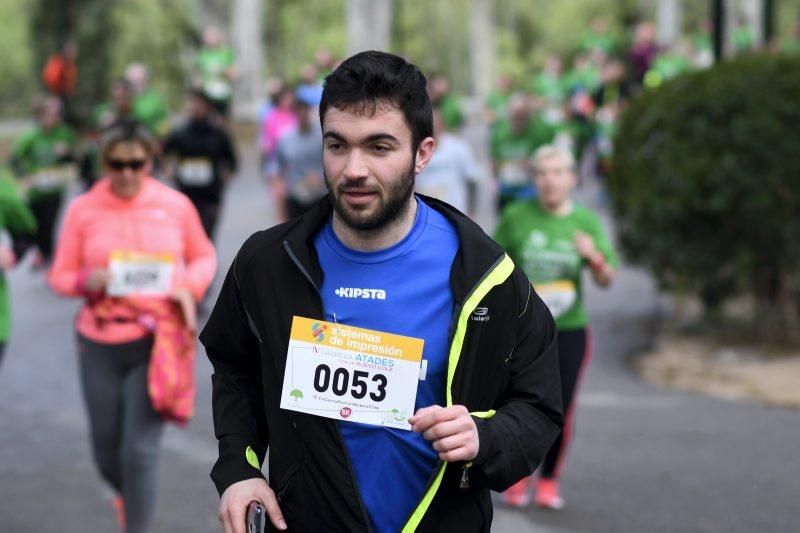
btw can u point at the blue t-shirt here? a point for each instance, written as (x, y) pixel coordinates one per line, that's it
(393, 466)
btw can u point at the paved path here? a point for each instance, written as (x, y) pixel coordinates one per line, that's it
(644, 459)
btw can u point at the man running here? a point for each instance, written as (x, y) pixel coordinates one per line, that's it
(201, 159)
(373, 266)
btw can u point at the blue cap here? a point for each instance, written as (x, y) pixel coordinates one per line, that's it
(309, 94)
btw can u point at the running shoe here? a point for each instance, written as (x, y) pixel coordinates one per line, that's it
(518, 494)
(119, 507)
(547, 495)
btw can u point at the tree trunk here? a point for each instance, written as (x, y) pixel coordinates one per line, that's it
(483, 55)
(777, 317)
(249, 52)
(369, 24)
(669, 21)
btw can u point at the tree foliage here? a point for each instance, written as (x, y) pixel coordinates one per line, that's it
(706, 186)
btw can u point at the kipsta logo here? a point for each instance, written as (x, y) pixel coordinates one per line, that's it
(318, 331)
(367, 294)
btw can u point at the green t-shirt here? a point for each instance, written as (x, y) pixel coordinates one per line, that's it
(599, 41)
(542, 245)
(17, 219)
(46, 157)
(452, 116)
(549, 87)
(149, 109)
(211, 64)
(510, 150)
(497, 102)
(586, 78)
(665, 67)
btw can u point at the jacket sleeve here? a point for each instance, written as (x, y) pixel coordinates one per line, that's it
(201, 258)
(240, 423)
(515, 439)
(68, 276)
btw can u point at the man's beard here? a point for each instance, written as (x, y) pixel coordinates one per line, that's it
(390, 208)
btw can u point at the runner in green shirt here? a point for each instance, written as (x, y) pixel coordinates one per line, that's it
(43, 159)
(513, 141)
(552, 240)
(214, 67)
(15, 220)
(148, 105)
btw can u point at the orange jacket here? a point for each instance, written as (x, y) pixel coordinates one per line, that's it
(158, 220)
(60, 75)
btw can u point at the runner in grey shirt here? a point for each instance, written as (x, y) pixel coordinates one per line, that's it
(453, 173)
(299, 158)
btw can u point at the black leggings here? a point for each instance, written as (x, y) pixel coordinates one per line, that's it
(45, 209)
(574, 354)
(126, 431)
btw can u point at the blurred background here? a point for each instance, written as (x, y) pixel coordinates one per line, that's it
(682, 116)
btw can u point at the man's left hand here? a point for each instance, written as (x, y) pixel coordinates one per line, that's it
(451, 430)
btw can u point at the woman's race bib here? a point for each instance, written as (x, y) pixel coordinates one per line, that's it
(558, 296)
(140, 274)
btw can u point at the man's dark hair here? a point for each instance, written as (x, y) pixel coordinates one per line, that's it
(368, 79)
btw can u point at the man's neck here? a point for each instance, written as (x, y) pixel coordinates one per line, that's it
(379, 238)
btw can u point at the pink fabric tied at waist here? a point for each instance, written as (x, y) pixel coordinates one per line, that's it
(170, 374)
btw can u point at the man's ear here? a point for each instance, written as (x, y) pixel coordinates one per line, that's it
(424, 154)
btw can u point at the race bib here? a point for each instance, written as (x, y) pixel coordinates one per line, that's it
(218, 89)
(53, 177)
(513, 173)
(196, 171)
(348, 373)
(558, 296)
(140, 274)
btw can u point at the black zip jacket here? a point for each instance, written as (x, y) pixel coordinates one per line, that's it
(503, 366)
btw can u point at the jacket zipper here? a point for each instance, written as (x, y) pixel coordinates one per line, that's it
(464, 483)
(339, 434)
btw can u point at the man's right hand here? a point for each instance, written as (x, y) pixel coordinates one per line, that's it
(236, 498)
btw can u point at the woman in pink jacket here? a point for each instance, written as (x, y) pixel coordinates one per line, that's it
(135, 251)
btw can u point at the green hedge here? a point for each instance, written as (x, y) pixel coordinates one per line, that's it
(706, 185)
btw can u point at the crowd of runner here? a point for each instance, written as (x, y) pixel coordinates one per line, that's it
(141, 257)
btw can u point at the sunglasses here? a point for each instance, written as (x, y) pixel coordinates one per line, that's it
(120, 164)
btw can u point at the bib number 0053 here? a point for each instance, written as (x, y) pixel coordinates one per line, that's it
(340, 382)
(349, 373)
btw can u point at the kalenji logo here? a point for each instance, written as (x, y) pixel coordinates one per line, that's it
(481, 314)
(367, 294)
(346, 412)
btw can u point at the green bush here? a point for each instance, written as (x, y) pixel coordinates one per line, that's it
(706, 186)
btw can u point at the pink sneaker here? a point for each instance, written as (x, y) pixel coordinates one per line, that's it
(547, 495)
(518, 494)
(119, 507)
